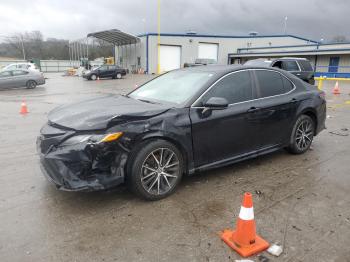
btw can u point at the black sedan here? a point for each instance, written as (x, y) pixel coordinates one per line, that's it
(105, 71)
(181, 122)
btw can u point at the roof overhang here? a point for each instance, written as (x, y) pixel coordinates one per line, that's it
(116, 37)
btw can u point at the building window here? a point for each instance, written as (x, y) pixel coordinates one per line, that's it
(333, 64)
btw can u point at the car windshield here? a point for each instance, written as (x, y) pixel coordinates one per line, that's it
(174, 87)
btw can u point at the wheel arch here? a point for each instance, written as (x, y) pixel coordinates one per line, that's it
(31, 80)
(154, 136)
(311, 112)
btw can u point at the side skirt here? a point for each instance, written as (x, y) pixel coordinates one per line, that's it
(236, 159)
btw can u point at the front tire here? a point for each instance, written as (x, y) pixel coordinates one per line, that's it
(302, 135)
(156, 170)
(93, 77)
(119, 76)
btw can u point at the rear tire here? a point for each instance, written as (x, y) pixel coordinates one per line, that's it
(93, 77)
(155, 170)
(31, 84)
(302, 135)
(119, 76)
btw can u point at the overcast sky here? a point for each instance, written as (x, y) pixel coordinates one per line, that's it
(69, 19)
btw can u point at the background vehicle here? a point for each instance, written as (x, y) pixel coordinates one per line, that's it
(105, 71)
(183, 121)
(200, 62)
(29, 66)
(21, 78)
(300, 67)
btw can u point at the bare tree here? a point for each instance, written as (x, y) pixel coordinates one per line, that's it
(16, 42)
(30, 45)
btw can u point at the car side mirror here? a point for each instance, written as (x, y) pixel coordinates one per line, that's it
(216, 103)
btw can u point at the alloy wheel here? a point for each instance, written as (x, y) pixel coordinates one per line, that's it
(304, 134)
(160, 171)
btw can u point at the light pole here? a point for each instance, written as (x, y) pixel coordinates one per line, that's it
(285, 25)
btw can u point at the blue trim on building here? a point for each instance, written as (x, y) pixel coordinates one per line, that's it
(328, 74)
(288, 52)
(284, 46)
(272, 47)
(225, 36)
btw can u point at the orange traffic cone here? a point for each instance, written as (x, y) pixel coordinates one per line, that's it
(244, 239)
(336, 90)
(24, 109)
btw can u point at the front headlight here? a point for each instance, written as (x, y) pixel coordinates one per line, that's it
(94, 139)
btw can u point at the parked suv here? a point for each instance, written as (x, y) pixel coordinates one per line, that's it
(300, 67)
(105, 71)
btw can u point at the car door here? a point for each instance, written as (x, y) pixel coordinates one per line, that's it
(103, 71)
(227, 133)
(111, 71)
(20, 78)
(5, 79)
(275, 108)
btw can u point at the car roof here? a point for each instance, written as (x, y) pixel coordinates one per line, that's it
(212, 68)
(17, 69)
(21, 63)
(292, 58)
(224, 69)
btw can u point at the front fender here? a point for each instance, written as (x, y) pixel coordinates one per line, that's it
(173, 126)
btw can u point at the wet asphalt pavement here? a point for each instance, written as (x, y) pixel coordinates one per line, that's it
(300, 201)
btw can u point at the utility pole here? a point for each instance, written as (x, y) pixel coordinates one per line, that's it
(158, 64)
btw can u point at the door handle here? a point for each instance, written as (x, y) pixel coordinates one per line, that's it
(253, 109)
(298, 74)
(294, 100)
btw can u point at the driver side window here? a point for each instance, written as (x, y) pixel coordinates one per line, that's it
(235, 88)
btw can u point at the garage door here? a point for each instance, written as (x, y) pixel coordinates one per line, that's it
(208, 51)
(170, 57)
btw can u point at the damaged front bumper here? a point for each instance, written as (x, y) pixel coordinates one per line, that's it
(83, 166)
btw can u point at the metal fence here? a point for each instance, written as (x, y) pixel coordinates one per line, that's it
(57, 65)
(47, 65)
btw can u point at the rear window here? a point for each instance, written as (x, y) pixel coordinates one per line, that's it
(270, 83)
(305, 66)
(288, 86)
(290, 66)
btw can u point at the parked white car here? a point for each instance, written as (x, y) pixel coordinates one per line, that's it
(24, 65)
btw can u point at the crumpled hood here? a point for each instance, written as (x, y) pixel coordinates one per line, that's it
(96, 113)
